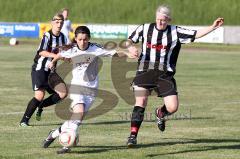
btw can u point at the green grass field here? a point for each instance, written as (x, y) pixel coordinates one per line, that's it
(205, 126)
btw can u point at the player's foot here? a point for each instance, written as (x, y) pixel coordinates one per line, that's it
(132, 141)
(24, 124)
(48, 140)
(64, 150)
(160, 120)
(38, 114)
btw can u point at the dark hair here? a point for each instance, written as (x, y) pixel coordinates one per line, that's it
(83, 30)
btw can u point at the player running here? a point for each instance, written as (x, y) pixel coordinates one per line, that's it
(161, 44)
(46, 52)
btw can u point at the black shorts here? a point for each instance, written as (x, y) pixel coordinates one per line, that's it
(162, 83)
(40, 80)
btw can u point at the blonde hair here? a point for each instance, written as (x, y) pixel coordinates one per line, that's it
(165, 10)
(58, 16)
(64, 9)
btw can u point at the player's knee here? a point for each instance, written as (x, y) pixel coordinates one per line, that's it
(141, 101)
(172, 108)
(39, 96)
(62, 95)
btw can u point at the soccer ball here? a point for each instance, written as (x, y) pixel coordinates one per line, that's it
(68, 138)
(13, 41)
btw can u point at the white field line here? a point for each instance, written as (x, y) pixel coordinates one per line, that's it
(16, 113)
(192, 104)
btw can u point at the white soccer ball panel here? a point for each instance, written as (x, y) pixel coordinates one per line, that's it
(67, 138)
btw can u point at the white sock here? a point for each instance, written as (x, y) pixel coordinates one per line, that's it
(55, 133)
(73, 124)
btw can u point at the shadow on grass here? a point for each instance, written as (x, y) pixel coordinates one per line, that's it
(47, 124)
(198, 149)
(106, 148)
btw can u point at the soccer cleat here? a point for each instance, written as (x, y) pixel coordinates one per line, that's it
(24, 124)
(132, 141)
(38, 114)
(160, 121)
(48, 140)
(64, 150)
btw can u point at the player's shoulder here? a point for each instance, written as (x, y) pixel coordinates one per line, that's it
(95, 46)
(75, 47)
(61, 34)
(47, 34)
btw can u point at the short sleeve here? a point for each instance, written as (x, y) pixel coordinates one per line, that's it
(135, 36)
(186, 35)
(104, 52)
(67, 54)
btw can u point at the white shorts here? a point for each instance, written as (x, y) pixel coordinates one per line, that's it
(82, 99)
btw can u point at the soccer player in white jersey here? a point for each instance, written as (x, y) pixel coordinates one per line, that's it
(67, 25)
(84, 56)
(161, 43)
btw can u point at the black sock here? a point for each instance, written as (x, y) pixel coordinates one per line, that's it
(32, 105)
(52, 99)
(137, 119)
(163, 111)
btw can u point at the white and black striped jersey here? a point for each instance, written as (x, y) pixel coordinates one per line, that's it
(49, 43)
(160, 48)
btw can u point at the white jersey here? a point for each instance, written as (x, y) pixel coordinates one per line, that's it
(85, 64)
(66, 28)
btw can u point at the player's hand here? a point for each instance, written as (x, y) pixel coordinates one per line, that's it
(218, 22)
(51, 65)
(133, 52)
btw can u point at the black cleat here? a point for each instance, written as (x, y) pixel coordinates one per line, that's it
(39, 114)
(48, 140)
(64, 150)
(132, 141)
(160, 121)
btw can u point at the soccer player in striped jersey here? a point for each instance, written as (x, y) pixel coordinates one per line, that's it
(47, 50)
(84, 84)
(161, 43)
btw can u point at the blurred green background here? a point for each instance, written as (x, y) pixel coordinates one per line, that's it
(185, 12)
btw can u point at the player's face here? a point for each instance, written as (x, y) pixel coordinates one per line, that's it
(82, 41)
(65, 14)
(161, 21)
(57, 25)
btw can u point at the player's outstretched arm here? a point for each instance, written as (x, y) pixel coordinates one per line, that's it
(216, 24)
(132, 50)
(123, 53)
(47, 54)
(55, 59)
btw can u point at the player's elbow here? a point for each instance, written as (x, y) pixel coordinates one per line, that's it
(63, 95)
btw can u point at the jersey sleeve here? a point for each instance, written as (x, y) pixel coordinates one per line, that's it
(185, 35)
(103, 52)
(135, 36)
